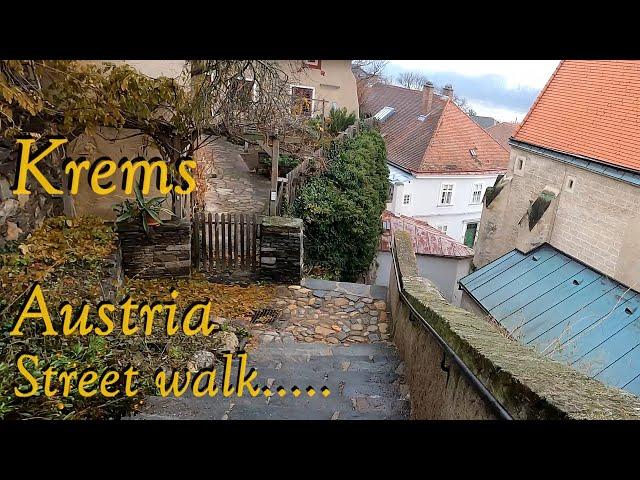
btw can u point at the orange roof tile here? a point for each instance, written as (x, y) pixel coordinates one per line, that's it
(589, 109)
(427, 240)
(441, 143)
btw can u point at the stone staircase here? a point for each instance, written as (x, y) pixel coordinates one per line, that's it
(365, 382)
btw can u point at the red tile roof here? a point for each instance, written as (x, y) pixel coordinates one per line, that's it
(589, 109)
(426, 239)
(502, 132)
(439, 144)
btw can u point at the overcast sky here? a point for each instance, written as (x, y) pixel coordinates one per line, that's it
(503, 89)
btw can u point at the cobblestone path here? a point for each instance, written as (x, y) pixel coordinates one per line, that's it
(234, 189)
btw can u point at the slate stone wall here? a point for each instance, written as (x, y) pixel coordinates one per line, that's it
(281, 250)
(165, 252)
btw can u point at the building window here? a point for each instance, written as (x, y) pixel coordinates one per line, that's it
(470, 234)
(518, 167)
(302, 100)
(390, 192)
(384, 113)
(242, 91)
(406, 200)
(570, 185)
(476, 193)
(312, 63)
(446, 194)
(442, 228)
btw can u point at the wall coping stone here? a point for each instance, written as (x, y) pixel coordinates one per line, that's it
(527, 384)
(168, 225)
(282, 222)
(378, 292)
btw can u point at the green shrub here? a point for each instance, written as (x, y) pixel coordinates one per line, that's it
(339, 120)
(341, 207)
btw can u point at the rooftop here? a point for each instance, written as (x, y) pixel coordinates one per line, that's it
(436, 141)
(427, 240)
(564, 310)
(502, 132)
(589, 109)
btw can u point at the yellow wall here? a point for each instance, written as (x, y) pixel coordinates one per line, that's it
(333, 82)
(113, 143)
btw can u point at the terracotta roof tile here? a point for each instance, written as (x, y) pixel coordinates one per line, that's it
(589, 109)
(426, 239)
(439, 144)
(502, 132)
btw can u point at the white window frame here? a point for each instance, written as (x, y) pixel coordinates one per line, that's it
(406, 199)
(442, 190)
(443, 227)
(312, 63)
(313, 95)
(473, 191)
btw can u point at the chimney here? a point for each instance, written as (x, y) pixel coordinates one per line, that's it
(447, 91)
(427, 97)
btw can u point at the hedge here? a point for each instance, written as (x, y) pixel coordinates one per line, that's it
(341, 207)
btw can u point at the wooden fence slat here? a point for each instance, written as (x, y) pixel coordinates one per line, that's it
(217, 241)
(236, 246)
(242, 255)
(203, 262)
(254, 234)
(210, 225)
(196, 242)
(230, 242)
(223, 253)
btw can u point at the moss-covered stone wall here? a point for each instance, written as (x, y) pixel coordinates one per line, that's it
(528, 385)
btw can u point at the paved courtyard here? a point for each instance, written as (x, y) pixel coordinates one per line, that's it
(328, 334)
(234, 189)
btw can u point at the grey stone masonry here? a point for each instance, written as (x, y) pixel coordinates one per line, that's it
(332, 312)
(281, 249)
(165, 252)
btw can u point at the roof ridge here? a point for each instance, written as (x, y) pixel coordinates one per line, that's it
(483, 130)
(397, 86)
(535, 103)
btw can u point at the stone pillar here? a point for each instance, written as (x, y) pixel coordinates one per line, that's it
(165, 252)
(281, 249)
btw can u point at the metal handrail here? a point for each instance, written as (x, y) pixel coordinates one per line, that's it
(484, 392)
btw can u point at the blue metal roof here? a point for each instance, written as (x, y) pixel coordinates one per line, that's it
(564, 310)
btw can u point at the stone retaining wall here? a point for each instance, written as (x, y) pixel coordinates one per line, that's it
(528, 385)
(334, 312)
(165, 252)
(281, 249)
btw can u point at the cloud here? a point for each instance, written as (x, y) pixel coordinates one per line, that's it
(500, 95)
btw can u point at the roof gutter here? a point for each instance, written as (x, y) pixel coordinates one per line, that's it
(578, 161)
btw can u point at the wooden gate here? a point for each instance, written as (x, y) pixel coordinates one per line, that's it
(225, 242)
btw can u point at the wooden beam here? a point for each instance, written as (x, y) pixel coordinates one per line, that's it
(275, 156)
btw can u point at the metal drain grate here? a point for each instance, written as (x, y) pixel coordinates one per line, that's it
(265, 315)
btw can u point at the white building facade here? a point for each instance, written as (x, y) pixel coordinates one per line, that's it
(440, 161)
(451, 203)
